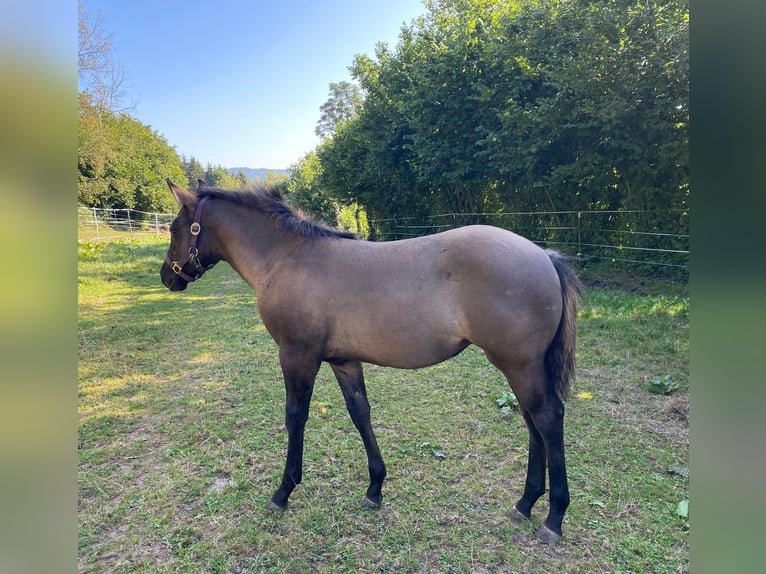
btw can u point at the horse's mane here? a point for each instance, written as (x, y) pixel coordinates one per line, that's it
(270, 201)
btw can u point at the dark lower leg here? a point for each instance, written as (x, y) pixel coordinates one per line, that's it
(299, 385)
(550, 422)
(534, 486)
(559, 487)
(351, 382)
(293, 473)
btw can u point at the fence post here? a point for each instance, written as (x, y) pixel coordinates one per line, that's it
(156, 225)
(95, 218)
(130, 224)
(579, 241)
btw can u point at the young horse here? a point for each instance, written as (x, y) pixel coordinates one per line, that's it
(325, 296)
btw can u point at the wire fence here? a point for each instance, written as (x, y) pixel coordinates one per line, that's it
(656, 237)
(646, 237)
(96, 224)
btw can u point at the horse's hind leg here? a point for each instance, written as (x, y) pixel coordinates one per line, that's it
(546, 421)
(534, 486)
(543, 413)
(545, 418)
(351, 380)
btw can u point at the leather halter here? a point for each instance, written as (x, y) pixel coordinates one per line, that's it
(193, 255)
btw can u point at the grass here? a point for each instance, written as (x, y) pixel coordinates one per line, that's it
(181, 442)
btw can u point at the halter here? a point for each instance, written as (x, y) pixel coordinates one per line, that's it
(195, 228)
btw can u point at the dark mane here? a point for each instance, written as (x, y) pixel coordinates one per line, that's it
(269, 200)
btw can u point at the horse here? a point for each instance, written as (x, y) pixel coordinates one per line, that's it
(325, 295)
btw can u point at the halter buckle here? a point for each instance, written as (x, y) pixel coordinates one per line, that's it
(176, 267)
(195, 228)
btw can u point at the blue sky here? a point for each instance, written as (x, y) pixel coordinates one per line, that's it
(238, 83)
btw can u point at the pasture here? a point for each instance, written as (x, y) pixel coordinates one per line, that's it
(181, 441)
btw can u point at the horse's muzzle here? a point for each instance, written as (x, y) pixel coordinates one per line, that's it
(171, 280)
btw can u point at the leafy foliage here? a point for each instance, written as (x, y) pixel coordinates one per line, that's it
(212, 175)
(489, 105)
(305, 192)
(121, 162)
(507, 402)
(345, 98)
(88, 249)
(661, 386)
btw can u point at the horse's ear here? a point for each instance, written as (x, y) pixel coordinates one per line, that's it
(183, 197)
(201, 183)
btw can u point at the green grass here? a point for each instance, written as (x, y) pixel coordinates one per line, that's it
(181, 442)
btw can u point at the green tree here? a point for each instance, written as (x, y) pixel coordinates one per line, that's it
(521, 105)
(342, 105)
(242, 180)
(304, 189)
(123, 163)
(369, 160)
(218, 176)
(193, 170)
(275, 178)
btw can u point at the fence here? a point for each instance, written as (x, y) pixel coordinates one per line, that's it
(98, 224)
(632, 237)
(648, 237)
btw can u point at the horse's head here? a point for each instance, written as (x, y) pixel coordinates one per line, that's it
(192, 250)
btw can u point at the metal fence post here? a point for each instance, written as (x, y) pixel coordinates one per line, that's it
(95, 218)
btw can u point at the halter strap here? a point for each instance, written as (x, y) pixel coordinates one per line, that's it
(193, 255)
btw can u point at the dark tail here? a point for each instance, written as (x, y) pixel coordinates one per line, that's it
(560, 356)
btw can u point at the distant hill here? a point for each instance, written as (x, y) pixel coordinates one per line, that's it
(255, 173)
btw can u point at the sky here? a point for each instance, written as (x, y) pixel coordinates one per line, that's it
(239, 83)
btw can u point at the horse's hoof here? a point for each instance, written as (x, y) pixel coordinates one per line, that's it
(517, 516)
(274, 507)
(367, 503)
(546, 535)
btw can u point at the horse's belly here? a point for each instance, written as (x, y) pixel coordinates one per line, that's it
(404, 344)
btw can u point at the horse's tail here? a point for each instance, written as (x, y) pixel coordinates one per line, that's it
(560, 356)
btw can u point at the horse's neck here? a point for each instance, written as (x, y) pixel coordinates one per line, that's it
(251, 243)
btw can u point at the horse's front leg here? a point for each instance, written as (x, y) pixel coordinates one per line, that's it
(351, 380)
(299, 374)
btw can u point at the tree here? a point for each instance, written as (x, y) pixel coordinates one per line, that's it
(193, 170)
(218, 176)
(123, 163)
(97, 72)
(275, 178)
(342, 105)
(521, 105)
(304, 189)
(242, 180)
(369, 159)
